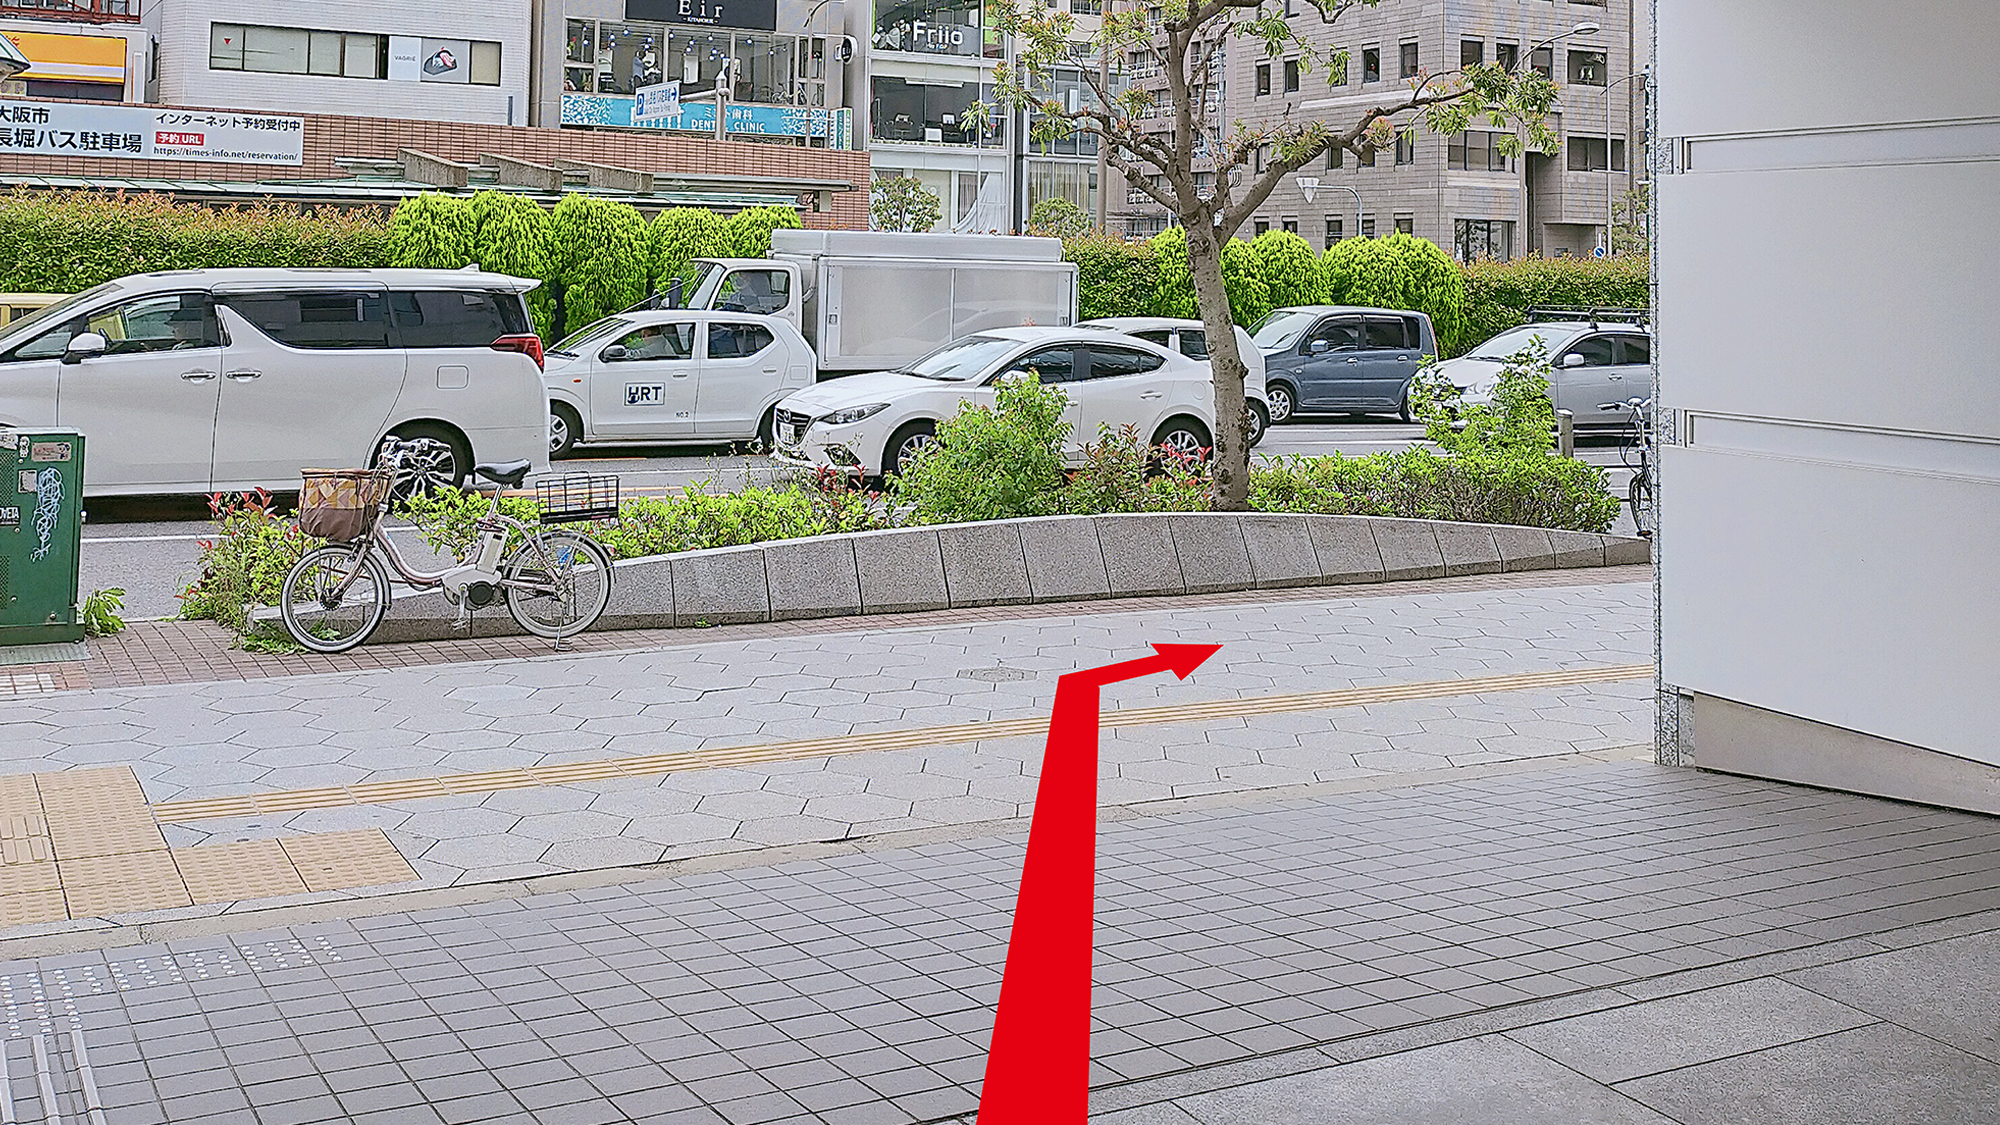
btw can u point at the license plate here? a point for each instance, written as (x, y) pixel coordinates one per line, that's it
(794, 434)
(645, 394)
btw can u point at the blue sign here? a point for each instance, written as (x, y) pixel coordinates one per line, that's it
(699, 117)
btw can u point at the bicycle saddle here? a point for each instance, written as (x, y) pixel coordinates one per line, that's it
(506, 474)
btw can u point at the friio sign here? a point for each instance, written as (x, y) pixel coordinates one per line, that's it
(753, 15)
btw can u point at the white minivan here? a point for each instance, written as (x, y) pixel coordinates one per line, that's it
(230, 379)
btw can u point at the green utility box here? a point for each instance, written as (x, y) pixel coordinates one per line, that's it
(41, 529)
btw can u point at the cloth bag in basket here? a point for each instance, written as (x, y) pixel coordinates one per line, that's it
(340, 505)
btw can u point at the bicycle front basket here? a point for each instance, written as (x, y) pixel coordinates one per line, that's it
(577, 498)
(341, 505)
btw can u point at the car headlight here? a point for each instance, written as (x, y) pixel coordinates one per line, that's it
(852, 414)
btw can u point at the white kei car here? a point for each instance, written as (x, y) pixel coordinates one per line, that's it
(865, 425)
(673, 375)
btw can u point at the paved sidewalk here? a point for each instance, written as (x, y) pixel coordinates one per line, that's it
(1549, 942)
(487, 771)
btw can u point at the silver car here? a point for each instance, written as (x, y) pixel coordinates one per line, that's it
(1592, 363)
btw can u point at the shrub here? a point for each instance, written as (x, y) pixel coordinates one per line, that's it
(63, 242)
(1057, 217)
(1174, 294)
(433, 231)
(1114, 277)
(1498, 295)
(1290, 268)
(1120, 474)
(245, 564)
(597, 260)
(676, 238)
(747, 233)
(1400, 272)
(1249, 295)
(992, 462)
(903, 203)
(511, 236)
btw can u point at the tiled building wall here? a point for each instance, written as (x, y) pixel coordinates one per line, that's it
(331, 138)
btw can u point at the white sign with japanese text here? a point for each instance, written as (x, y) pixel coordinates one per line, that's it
(657, 103)
(150, 133)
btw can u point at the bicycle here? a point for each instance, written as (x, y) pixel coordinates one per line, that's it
(556, 582)
(1639, 443)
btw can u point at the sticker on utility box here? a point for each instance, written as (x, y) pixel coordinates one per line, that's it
(10, 517)
(45, 451)
(645, 394)
(26, 483)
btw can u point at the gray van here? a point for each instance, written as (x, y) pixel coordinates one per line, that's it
(1342, 358)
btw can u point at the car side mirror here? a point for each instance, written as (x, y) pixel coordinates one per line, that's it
(1572, 360)
(613, 354)
(1318, 347)
(84, 346)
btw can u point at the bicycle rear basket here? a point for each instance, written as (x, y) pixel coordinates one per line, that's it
(577, 498)
(342, 505)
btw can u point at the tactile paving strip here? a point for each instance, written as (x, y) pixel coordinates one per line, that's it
(97, 812)
(241, 869)
(331, 861)
(122, 884)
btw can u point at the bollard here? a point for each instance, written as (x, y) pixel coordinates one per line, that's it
(1565, 434)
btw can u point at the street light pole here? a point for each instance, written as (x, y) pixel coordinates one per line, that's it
(1608, 172)
(1527, 184)
(1308, 185)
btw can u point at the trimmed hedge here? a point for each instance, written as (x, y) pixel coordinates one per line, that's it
(1498, 295)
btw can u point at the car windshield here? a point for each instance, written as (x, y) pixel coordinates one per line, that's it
(964, 360)
(702, 272)
(1507, 343)
(1281, 329)
(31, 324)
(575, 342)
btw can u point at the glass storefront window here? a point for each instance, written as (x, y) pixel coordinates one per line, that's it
(930, 27)
(932, 112)
(618, 58)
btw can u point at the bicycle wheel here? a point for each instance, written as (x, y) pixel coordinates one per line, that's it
(558, 583)
(322, 616)
(1639, 495)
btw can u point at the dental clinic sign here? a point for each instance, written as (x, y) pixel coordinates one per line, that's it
(143, 133)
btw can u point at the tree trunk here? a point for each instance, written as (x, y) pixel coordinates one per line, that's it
(1232, 424)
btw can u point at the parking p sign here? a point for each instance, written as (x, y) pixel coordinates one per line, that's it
(657, 103)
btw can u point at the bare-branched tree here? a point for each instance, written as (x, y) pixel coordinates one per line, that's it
(1189, 39)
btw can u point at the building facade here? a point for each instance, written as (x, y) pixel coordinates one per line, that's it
(425, 60)
(84, 50)
(1460, 191)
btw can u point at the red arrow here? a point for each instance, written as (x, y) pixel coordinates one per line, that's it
(1038, 1069)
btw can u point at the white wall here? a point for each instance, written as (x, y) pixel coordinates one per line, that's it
(1830, 354)
(185, 79)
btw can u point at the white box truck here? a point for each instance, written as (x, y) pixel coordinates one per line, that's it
(876, 301)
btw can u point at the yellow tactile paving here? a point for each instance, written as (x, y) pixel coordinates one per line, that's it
(122, 884)
(332, 861)
(654, 765)
(97, 812)
(239, 870)
(28, 878)
(23, 908)
(19, 796)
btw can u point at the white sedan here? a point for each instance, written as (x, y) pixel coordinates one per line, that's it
(675, 375)
(868, 424)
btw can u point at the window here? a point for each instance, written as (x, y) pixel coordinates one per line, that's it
(1409, 60)
(343, 54)
(1262, 157)
(455, 318)
(1260, 226)
(1477, 239)
(158, 323)
(1390, 332)
(1507, 56)
(1263, 79)
(1112, 363)
(1586, 154)
(1475, 151)
(933, 112)
(1193, 344)
(737, 341)
(1597, 351)
(1368, 226)
(485, 64)
(1343, 335)
(1471, 52)
(1406, 147)
(1291, 76)
(1371, 65)
(931, 27)
(1367, 157)
(754, 291)
(326, 320)
(1050, 365)
(1586, 68)
(1333, 232)
(1635, 349)
(1086, 7)
(1543, 61)
(1335, 157)
(658, 341)
(1406, 224)
(275, 50)
(1289, 226)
